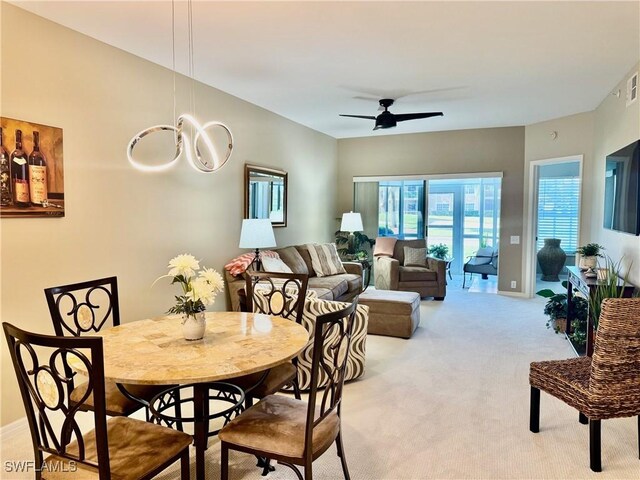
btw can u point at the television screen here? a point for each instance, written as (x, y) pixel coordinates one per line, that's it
(621, 190)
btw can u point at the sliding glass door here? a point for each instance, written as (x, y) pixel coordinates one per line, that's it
(401, 209)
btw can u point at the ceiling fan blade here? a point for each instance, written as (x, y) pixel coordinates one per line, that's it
(401, 117)
(366, 117)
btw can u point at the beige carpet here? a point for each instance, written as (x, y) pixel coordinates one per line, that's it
(452, 402)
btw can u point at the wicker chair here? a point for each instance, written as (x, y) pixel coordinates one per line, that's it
(605, 386)
(116, 448)
(292, 431)
(84, 308)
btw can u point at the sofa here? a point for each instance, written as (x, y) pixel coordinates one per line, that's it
(391, 273)
(341, 287)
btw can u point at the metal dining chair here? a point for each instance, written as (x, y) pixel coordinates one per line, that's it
(85, 308)
(289, 430)
(120, 447)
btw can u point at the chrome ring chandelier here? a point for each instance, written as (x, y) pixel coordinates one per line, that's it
(183, 143)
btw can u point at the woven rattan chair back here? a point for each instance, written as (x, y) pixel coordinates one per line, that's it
(615, 368)
(41, 366)
(331, 341)
(280, 294)
(84, 307)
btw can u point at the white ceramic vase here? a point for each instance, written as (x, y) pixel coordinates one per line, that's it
(587, 263)
(193, 326)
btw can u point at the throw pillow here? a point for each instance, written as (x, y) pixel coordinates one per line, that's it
(239, 265)
(384, 246)
(325, 259)
(270, 264)
(416, 257)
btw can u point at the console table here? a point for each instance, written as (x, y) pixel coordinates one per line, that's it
(587, 285)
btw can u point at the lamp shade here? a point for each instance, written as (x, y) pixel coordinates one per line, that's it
(351, 222)
(257, 233)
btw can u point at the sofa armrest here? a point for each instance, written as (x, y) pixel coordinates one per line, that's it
(234, 286)
(440, 267)
(354, 268)
(437, 265)
(386, 273)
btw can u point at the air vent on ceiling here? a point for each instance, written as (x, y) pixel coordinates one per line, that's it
(632, 89)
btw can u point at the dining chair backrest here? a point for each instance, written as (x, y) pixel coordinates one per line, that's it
(280, 294)
(41, 363)
(331, 340)
(84, 307)
(615, 369)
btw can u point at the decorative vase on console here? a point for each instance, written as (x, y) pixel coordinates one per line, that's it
(589, 254)
(198, 291)
(551, 258)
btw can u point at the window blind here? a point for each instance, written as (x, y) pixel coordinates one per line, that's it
(558, 211)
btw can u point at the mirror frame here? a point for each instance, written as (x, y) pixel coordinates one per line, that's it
(248, 169)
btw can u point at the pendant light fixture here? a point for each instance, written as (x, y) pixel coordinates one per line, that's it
(201, 141)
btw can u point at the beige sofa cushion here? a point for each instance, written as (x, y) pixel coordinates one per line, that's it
(293, 259)
(338, 286)
(306, 257)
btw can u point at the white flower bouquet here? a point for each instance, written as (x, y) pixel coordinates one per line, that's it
(199, 286)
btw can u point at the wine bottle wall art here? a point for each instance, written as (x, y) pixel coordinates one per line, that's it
(31, 173)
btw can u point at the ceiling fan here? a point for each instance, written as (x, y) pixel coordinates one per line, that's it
(389, 120)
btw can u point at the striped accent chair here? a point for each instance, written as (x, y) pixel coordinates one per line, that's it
(313, 308)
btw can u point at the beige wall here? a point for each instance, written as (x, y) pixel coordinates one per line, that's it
(594, 135)
(616, 125)
(120, 221)
(574, 138)
(464, 151)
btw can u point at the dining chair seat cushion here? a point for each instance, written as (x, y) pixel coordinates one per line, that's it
(117, 404)
(276, 425)
(277, 378)
(136, 449)
(567, 380)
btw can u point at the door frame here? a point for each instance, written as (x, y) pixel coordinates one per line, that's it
(531, 226)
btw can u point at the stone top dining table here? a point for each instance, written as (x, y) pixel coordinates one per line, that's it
(154, 352)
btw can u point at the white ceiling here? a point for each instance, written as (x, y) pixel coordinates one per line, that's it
(484, 64)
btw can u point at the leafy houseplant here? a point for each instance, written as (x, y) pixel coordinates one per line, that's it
(439, 250)
(556, 309)
(609, 286)
(199, 289)
(354, 248)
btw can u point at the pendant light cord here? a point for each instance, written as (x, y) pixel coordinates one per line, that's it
(173, 56)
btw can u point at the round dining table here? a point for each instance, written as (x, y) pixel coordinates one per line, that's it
(154, 352)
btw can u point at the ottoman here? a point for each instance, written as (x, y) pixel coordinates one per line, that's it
(391, 312)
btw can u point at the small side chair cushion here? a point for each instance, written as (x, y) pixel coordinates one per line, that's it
(277, 425)
(482, 257)
(325, 259)
(270, 264)
(136, 449)
(415, 257)
(116, 403)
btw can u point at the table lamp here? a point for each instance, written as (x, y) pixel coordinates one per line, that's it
(351, 222)
(257, 233)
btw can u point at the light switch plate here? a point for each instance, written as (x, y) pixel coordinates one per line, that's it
(515, 239)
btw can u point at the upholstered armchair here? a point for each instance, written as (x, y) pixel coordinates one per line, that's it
(427, 276)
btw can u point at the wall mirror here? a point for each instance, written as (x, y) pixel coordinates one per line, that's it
(265, 194)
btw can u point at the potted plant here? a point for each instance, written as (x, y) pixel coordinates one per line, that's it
(354, 248)
(589, 254)
(556, 309)
(610, 282)
(440, 251)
